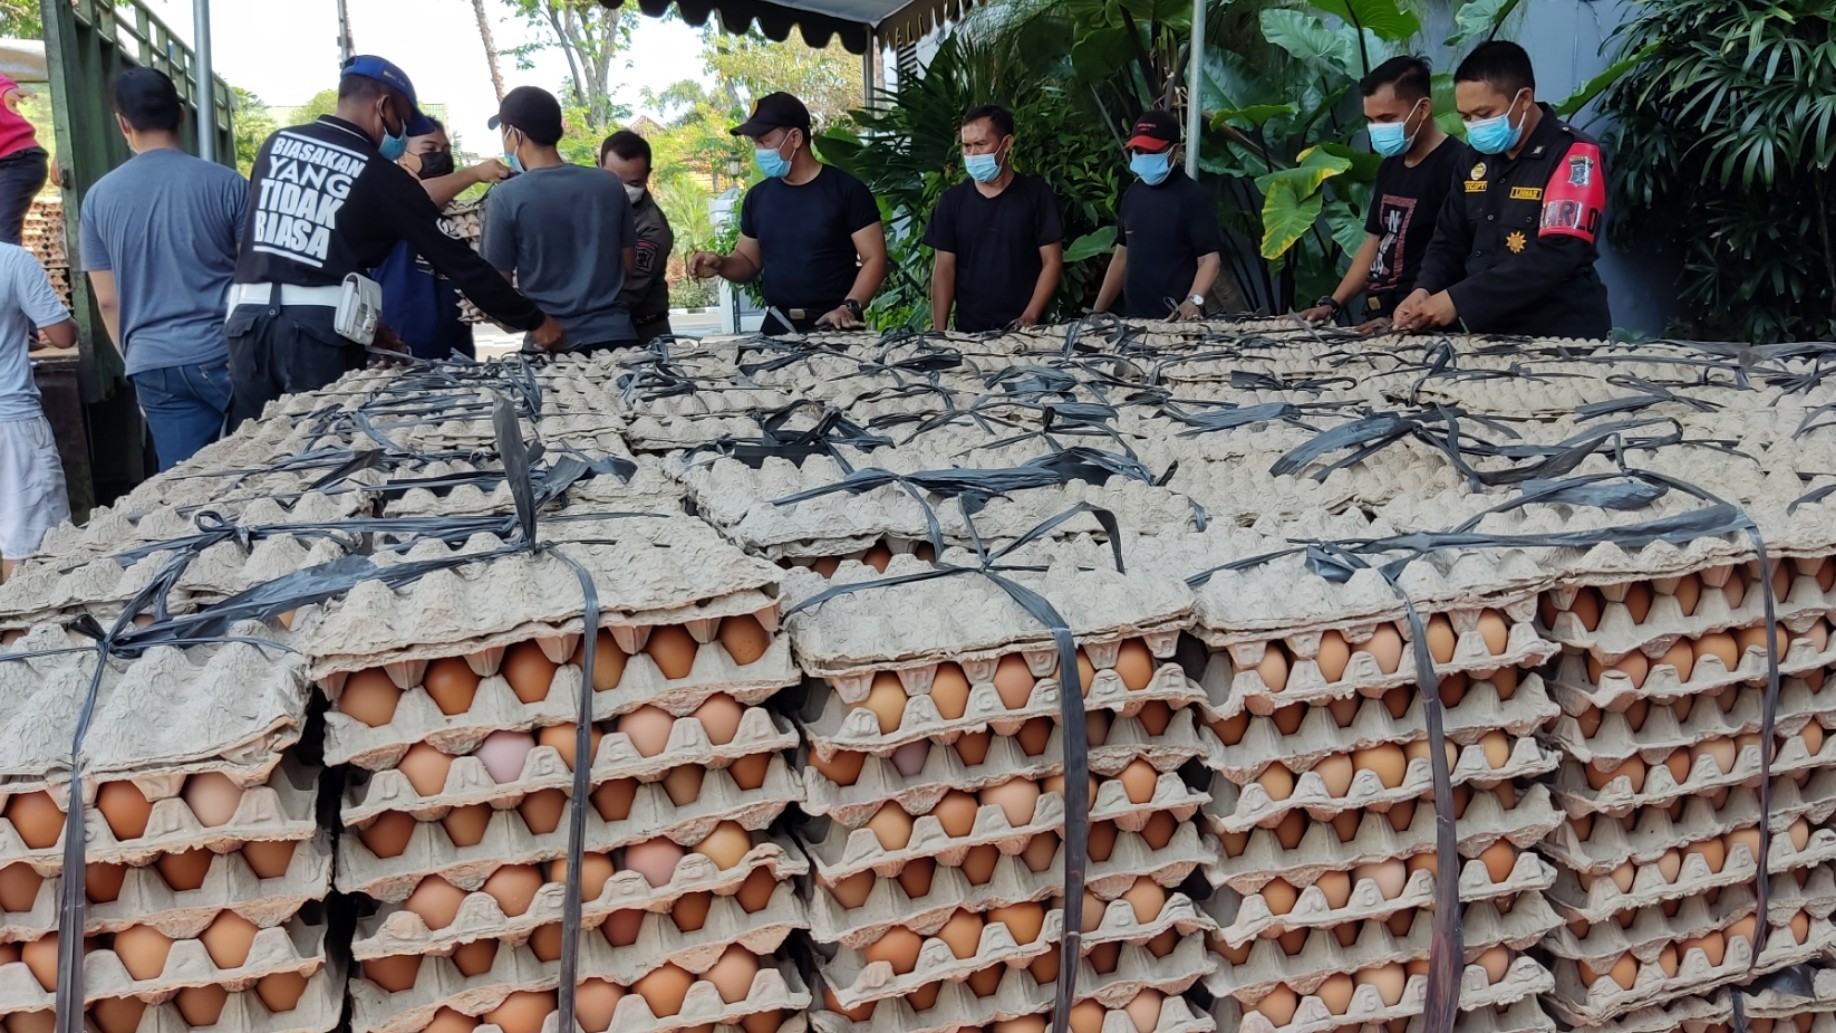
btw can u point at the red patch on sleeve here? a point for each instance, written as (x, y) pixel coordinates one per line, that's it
(1574, 200)
(646, 254)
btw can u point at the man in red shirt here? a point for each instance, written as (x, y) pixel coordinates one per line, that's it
(23, 163)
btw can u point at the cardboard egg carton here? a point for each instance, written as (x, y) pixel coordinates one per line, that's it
(1367, 1010)
(654, 571)
(1241, 808)
(856, 980)
(294, 947)
(1617, 634)
(113, 529)
(1320, 850)
(773, 989)
(468, 782)
(1181, 741)
(1527, 711)
(496, 707)
(1574, 689)
(230, 707)
(317, 1010)
(958, 1008)
(439, 983)
(1138, 969)
(1245, 917)
(1610, 844)
(1602, 898)
(279, 809)
(1120, 925)
(396, 930)
(508, 840)
(1651, 929)
(1660, 732)
(145, 899)
(1617, 796)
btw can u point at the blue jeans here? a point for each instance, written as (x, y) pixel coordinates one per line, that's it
(185, 407)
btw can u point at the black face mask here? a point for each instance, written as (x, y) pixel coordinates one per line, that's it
(435, 164)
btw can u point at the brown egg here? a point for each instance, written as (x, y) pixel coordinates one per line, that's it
(466, 826)
(621, 928)
(744, 638)
(673, 649)
(1441, 638)
(1280, 896)
(1040, 851)
(36, 819)
(227, 939)
(720, 718)
(664, 989)
(564, 739)
(1144, 1010)
(1159, 830)
(369, 696)
(612, 800)
(1023, 1024)
(1087, 1017)
(726, 846)
(117, 1014)
(648, 728)
(852, 891)
(1721, 646)
(269, 859)
(1799, 832)
(1336, 992)
(185, 871)
(1230, 730)
(1139, 780)
(1333, 655)
(1496, 962)
(436, 901)
(1344, 711)
(446, 1020)
(143, 950)
(1390, 980)
(1812, 736)
(1497, 747)
(1712, 851)
(595, 1000)
(886, 700)
(281, 992)
(973, 747)
(731, 975)
(979, 864)
(1024, 921)
(1292, 826)
(425, 768)
(1497, 633)
(683, 784)
(1336, 887)
(1013, 681)
(522, 1012)
(962, 933)
(1723, 752)
(1273, 667)
(1101, 841)
(102, 882)
(1134, 665)
(1277, 1006)
(749, 772)
(1034, 735)
(879, 557)
(1500, 860)
(950, 691)
(916, 877)
(1147, 899)
(689, 913)
(201, 1005)
(1632, 768)
(595, 872)
(1386, 646)
(860, 1013)
(956, 813)
(898, 947)
(1387, 761)
(387, 835)
(1586, 608)
(477, 957)
(18, 887)
(124, 808)
(1400, 816)
(1336, 772)
(1288, 719)
(529, 671)
(1800, 927)
(450, 683)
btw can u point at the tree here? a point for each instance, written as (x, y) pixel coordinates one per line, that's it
(589, 35)
(253, 127)
(21, 19)
(490, 47)
(324, 102)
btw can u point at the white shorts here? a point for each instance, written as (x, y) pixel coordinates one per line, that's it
(32, 498)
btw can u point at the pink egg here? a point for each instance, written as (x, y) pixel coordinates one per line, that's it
(909, 759)
(503, 754)
(654, 859)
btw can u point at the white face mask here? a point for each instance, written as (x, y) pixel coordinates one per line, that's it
(636, 194)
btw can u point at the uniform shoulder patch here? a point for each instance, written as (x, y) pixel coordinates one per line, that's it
(1478, 171)
(1574, 198)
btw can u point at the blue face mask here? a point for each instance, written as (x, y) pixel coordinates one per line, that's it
(1392, 138)
(983, 168)
(771, 160)
(1495, 135)
(510, 158)
(1152, 169)
(393, 145)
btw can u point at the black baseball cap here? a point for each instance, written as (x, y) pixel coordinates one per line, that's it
(533, 110)
(1154, 131)
(775, 111)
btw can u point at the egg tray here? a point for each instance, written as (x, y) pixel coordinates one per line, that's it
(969, 618)
(1603, 899)
(1775, 1003)
(496, 707)
(855, 980)
(396, 930)
(839, 725)
(439, 982)
(1319, 736)
(1616, 798)
(1661, 733)
(1651, 929)
(1120, 925)
(1485, 822)
(1245, 918)
(1615, 691)
(1367, 1010)
(293, 947)
(773, 989)
(1011, 882)
(233, 707)
(1579, 1004)
(318, 1009)
(1610, 845)
(958, 1008)
(1680, 1015)
(1241, 808)
(282, 809)
(507, 839)
(468, 782)
(1617, 634)
(110, 529)
(145, 899)
(657, 570)
(1138, 969)
(944, 770)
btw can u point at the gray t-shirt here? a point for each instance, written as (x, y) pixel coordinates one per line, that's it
(563, 231)
(165, 224)
(27, 305)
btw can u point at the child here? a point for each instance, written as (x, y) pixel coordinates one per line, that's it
(32, 498)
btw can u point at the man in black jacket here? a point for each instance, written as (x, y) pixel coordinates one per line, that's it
(325, 200)
(1515, 246)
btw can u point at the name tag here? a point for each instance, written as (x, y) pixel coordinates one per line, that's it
(1526, 193)
(1476, 186)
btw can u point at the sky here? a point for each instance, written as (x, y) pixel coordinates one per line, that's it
(287, 51)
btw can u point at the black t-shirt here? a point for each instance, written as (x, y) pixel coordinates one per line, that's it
(1166, 229)
(996, 241)
(806, 237)
(1404, 206)
(324, 203)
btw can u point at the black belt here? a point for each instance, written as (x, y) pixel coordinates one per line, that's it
(647, 320)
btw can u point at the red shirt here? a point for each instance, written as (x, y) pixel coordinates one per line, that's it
(16, 134)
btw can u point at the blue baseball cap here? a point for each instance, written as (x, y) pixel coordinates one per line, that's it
(386, 72)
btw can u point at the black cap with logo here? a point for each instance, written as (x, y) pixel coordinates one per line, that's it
(775, 111)
(535, 111)
(1154, 131)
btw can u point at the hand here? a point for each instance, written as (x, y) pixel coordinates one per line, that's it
(703, 265)
(489, 171)
(1406, 313)
(1431, 311)
(1317, 314)
(841, 317)
(1373, 327)
(14, 96)
(549, 336)
(388, 340)
(1030, 317)
(1188, 312)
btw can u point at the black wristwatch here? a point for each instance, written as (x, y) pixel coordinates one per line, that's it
(1332, 303)
(853, 307)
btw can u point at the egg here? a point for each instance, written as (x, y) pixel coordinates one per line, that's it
(1159, 830)
(979, 864)
(726, 846)
(1139, 780)
(1389, 981)
(595, 871)
(1022, 1024)
(529, 671)
(18, 887)
(143, 950)
(595, 1001)
(1441, 638)
(1230, 730)
(1024, 921)
(1101, 841)
(1087, 1017)
(648, 728)
(1336, 992)
(1500, 860)
(1799, 832)
(654, 859)
(949, 691)
(477, 957)
(689, 913)
(446, 1020)
(369, 696)
(201, 1005)
(565, 740)
(1134, 665)
(1040, 852)
(425, 768)
(664, 990)
(1497, 748)
(732, 973)
(1144, 1010)
(1273, 667)
(1389, 876)
(1399, 816)
(1013, 681)
(1288, 719)
(720, 718)
(1812, 736)
(117, 1014)
(1723, 752)
(897, 947)
(1632, 769)
(744, 638)
(886, 700)
(1275, 780)
(1496, 962)
(909, 759)
(683, 784)
(673, 650)
(860, 1013)
(541, 810)
(1386, 646)
(1277, 1006)
(1333, 655)
(973, 747)
(962, 933)
(185, 870)
(228, 939)
(621, 928)
(1336, 887)
(1800, 927)
(916, 877)
(1720, 645)
(436, 901)
(749, 772)
(1712, 851)
(1147, 899)
(1280, 896)
(1586, 608)
(523, 1011)
(1336, 772)
(102, 882)
(852, 891)
(879, 557)
(124, 808)
(450, 683)
(612, 800)
(843, 768)
(1344, 711)
(1292, 826)
(1387, 762)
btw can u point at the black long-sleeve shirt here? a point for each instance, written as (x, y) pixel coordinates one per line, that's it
(324, 203)
(1515, 244)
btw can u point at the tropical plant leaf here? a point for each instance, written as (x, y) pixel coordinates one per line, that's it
(1386, 18)
(1090, 245)
(1446, 109)
(1479, 19)
(1099, 53)
(1316, 165)
(1308, 39)
(1287, 216)
(1599, 84)
(1364, 164)
(1347, 225)
(1255, 115)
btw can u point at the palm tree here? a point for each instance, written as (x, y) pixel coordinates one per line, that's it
(490, 45)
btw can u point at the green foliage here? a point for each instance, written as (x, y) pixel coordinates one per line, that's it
(590, 35)
(21, 19)
(324, 102)
(253, 125)
(1480, 20)
(1728, 114)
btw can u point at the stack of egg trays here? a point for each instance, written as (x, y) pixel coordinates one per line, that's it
(1634, 876)
(1804, 1001)
(474, 626)
(226, 714)
(1500, 809)
(942, 991)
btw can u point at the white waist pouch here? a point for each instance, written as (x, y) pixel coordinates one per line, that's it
(359, 309)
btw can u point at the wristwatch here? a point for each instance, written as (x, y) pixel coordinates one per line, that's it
(1332, 303)
(854, 307)
(1197, 301)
